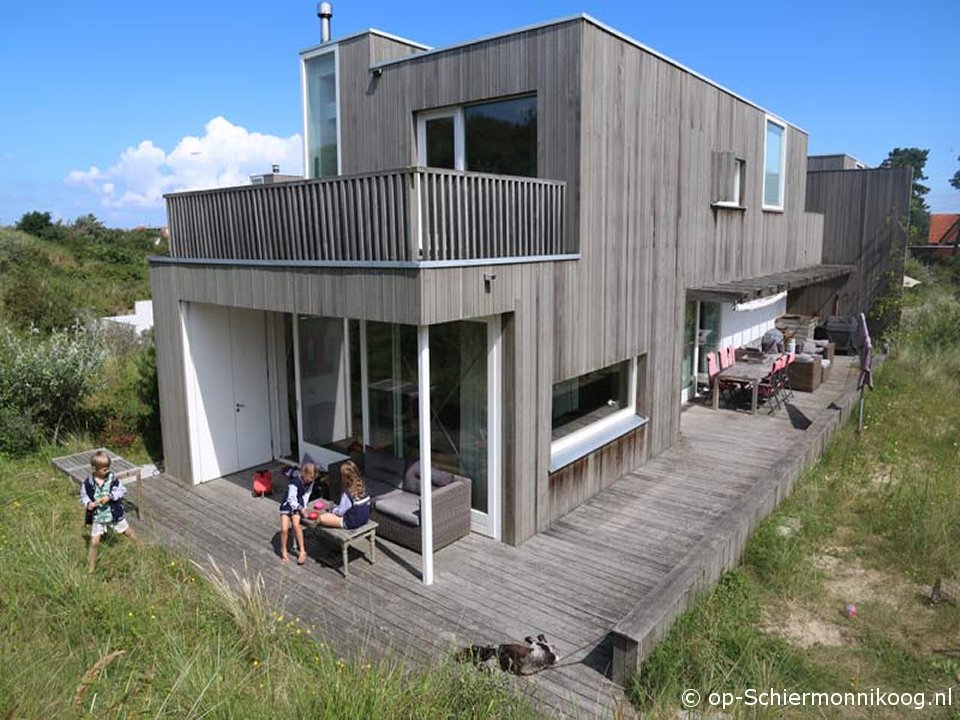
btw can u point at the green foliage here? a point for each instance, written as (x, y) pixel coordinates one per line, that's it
(45, 378)
(916, 159)
(955, 180)
(149, 393)
(35, 223)
(152, 635)
(80, 270)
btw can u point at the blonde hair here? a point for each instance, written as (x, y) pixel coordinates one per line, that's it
(99, 460)
(308, 468)
(351, 481)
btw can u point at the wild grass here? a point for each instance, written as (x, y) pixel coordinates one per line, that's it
(884, 508)
(151, 635)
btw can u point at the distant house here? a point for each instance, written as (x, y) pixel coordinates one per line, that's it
(945, 231)
(141, 320)
(540, 231)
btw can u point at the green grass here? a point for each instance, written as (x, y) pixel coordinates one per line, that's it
(883, 508)
(189, 646)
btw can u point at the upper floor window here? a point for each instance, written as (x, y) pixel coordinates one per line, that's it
(774, 158)
(495, 137)
(320, 107)
(728, 180)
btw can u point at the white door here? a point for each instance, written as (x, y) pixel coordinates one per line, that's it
(228, 405)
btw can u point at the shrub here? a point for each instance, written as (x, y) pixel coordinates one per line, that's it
(19, 434)
(46, 378)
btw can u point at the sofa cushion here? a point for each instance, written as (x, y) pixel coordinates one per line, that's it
(383, 467)
(402, 506)
(411, 480)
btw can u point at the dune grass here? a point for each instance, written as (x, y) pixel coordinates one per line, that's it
(148, 635)
(873, 524)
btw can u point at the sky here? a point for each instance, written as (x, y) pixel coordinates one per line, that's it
(108, 104)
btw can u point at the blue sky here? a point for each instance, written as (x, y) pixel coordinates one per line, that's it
(108, 104)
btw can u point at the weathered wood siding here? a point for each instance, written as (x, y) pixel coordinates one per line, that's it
(378, 127)
(865, 215)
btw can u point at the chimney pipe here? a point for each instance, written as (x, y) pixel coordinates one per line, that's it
(325, 13)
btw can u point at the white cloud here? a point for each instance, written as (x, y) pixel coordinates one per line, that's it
(226, 154)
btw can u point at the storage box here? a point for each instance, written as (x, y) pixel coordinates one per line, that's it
(805, 376)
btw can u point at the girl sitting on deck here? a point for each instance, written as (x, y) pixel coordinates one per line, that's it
(293, 506)
(354, 508)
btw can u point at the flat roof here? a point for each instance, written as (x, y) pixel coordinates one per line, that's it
(368, 31)
(597, 23)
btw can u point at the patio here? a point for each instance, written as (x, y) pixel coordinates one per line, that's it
(612, 574)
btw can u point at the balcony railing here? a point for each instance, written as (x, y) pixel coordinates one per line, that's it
(408, 215)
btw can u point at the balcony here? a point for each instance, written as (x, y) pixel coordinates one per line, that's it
(407, 217)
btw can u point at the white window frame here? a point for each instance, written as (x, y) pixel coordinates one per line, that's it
(459, 135)
(585, 436)
(769, 120)
(305, 105)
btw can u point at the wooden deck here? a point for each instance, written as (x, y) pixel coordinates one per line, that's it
(620, 566)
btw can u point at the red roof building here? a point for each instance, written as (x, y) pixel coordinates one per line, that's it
(944, 230)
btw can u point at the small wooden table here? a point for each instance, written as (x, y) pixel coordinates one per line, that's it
(77, 468)
(745, 371)
(346, 538)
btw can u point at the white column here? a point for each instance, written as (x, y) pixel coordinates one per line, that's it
(426, 500)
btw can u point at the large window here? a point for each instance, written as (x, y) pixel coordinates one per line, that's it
(593, 409)
(320, 108)
(495, 137)
(773, 165)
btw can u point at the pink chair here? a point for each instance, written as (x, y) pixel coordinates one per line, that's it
(724, 358)
(770, 387)
(732, 355)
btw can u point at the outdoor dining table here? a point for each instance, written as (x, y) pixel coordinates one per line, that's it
(749, 370)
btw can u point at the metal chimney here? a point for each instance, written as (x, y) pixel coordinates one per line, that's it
(325, 13)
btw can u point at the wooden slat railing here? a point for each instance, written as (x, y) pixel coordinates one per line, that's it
(415, 214)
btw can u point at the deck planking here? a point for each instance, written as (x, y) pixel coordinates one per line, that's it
(623, 549)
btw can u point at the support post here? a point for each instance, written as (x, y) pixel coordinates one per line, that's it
(426, 499)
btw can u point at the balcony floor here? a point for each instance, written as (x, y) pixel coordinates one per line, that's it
(620, 551)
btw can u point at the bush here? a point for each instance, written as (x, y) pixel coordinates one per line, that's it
(47, 378)
(19, 434)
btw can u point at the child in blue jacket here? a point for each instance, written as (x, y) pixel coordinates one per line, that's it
(301, 486)
(101, 494)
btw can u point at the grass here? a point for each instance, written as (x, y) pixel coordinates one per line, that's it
(874, 523)
(149, 636)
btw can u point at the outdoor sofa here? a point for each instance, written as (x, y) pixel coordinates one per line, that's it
(394, 488)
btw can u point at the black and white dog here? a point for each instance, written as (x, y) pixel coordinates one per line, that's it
(516, 658)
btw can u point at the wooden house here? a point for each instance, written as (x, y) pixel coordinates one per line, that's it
(532, 225)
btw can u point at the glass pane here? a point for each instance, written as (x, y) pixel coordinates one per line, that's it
(324, 382)
(771, 175)
(581, 401)
(501, 137)
(458, 403)
(440, 143)
(689, 340)
(709, 338)
(392, 389)
(321, 84)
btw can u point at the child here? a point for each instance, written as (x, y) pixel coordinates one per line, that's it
(294, 505)
(101, 495)
(354, 508)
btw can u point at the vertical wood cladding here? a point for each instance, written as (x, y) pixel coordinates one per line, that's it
(865, 215)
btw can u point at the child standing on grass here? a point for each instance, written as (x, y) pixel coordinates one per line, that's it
(101, 494)
(293, 506)
(354, 508)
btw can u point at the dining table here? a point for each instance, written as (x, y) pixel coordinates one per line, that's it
(749, 370)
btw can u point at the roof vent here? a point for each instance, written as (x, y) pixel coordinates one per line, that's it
(325, 13)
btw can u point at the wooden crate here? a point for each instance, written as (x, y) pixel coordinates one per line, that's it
(805, 376)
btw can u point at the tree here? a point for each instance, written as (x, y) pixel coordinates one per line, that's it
(34, 223)
(955, 180)
(916, 159)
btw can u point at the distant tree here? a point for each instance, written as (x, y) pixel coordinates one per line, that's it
(955, 180)
(916, 159)
(35, 223)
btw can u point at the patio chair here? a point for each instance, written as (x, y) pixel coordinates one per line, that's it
(727, 388)
(724, 358)
(769, 388)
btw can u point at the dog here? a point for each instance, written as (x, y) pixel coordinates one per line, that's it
(514, 658)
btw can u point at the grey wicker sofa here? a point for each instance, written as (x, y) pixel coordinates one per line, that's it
(395, 493)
